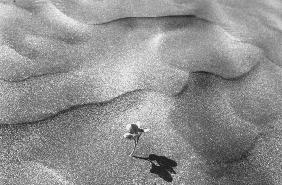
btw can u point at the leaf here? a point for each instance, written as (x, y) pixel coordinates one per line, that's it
(128, 136)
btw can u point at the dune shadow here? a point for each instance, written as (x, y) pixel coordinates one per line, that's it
(161, 166)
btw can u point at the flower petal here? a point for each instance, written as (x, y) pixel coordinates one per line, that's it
(143, 130)
(146, 130)
(128, 127)
(138, 123)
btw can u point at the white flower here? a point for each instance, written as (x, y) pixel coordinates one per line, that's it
(134, 132)
(134, 128)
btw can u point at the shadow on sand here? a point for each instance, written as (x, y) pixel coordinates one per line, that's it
(163, 168)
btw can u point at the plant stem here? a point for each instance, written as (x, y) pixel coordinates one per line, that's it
(135, 144)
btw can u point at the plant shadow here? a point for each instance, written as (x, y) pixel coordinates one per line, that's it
(163, 168)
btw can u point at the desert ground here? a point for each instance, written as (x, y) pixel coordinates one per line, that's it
(203, 76)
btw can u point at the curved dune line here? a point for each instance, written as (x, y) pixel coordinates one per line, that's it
(51, 56)
(13, 67)
(66, 28)
(16, 65)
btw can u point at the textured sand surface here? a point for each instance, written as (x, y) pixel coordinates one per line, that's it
(73, 74)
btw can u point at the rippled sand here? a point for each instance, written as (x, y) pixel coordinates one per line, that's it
(75, 73)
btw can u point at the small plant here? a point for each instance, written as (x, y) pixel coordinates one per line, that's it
(134, 132)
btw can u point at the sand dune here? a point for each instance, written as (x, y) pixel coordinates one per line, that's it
(204, 76)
